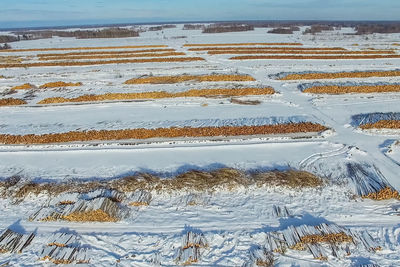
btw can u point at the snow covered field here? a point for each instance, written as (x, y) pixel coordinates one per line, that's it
(234, 222)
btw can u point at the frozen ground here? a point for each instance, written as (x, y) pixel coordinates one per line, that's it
(232, 222)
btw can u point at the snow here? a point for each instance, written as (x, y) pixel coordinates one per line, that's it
(232, 222)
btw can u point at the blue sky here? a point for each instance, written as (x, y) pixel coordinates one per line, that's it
(16, 13)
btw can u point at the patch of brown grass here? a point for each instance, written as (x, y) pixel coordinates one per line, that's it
(86, 53)
(385, 193)
(101, 62)
(272, 48)
(337, 89)
(331, 238)
(142, 133)
(240, 44)
(12, 102)
(292, 179)
(26, 86)
(288, 51)
(59, 84)
(61, 57)
(10, 59)
(338, 75)
(382, 124)
(161, 94)
(82, 48)
(314, 57)
(89, 216)
(196, 78)
(200, 181)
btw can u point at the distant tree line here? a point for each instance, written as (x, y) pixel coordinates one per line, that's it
(5, 46)
(8, 38)
(162, 27)
(378, 28)
(318, 28)
(227, 27)
(80, 34)
(193, 27)
(284, 30)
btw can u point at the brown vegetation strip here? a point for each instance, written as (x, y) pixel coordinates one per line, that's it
(240, 44)
(107, 52)
(11, 102)
(382, 124)
(262, 51)
(101, 62)
(82, 48)
(162, 94)
(269, 48)
(337, 89)
(59, 84)
(142, 133)
(25, 86)
(314, 57)
(113, 56)
(185, 78)
(385, 193)
(338, 75)
(201, 181)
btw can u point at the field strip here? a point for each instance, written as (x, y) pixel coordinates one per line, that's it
(196, 78)
(239, 44)
(314, 57)
(382, 124)
(102, 62)
(270, 48)
(12, 102)
(348, 89)
(108, 52)
(162, 94)
(337, 75)
(232, 52)
(82, 48)
(142, 133)
(112, 56)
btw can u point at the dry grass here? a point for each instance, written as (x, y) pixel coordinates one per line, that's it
(162, 94)
(141, 133)
(338, 75)
(240, 44)
(90, 216)
(61, 57)
(12, 102)
(382, 124)
(10, 59)
(199, 181)
(288, 51)
(26, 86)
(314, 57)
(385, 193)
(196, 78)
(86, 53)
(101, 62)
(272, 48)
(59, 84)
(82, 48)
(337, 89)
(331, 238)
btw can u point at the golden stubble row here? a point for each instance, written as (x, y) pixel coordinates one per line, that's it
(339, 89)
(101, 62)
(315, 57)
(196, 78)
(238, 44)
(82, 48)
(142, 133)
(162, 94)
(338, 75)
(382, 124)
(112, 56)
(28, 86)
